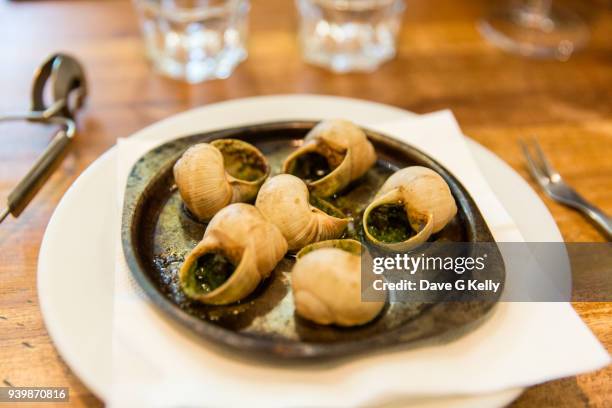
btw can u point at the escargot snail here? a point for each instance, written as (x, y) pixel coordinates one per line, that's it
(210, 176)
(232, 259)
(412, 204)
(326, 284)
(334, 153)
(284, 200)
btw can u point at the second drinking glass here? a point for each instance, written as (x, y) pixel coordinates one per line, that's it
(349, 35)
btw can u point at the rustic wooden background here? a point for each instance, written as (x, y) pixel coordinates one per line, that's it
(442, 63)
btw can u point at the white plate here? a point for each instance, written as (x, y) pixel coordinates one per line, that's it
(76, 260)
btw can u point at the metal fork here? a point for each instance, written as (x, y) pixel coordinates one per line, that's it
(553, 185)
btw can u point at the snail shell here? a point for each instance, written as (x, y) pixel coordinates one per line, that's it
(334, 153)
(427, 202)
(326, 284)
(284, 201)
(236, 233)
(210, 176)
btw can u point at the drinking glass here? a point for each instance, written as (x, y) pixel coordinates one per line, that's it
(349, 35)
(194, 40)
(536, 28)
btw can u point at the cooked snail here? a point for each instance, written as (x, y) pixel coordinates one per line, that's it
(239, 249)
(210, 176)
(326, 284)
(412, 204)
(335, 152)
(284, 200)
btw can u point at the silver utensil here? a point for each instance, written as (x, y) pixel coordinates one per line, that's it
(65, 80)
(553, 185)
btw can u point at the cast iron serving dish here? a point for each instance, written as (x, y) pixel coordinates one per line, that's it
(157, 233)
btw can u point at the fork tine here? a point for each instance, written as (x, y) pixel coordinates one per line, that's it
(548, 169)
(536, 173)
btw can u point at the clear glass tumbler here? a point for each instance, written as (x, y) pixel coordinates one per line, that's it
(349, 35)
(194, 40)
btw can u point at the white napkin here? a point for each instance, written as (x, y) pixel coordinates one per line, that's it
(156, 362)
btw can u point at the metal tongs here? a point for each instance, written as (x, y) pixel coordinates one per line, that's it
(65, 80)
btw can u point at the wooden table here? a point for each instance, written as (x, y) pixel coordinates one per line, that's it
(442, 63)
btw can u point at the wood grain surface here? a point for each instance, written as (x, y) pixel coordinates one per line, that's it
(442, 63)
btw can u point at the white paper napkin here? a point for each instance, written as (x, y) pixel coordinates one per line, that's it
(158, 363)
